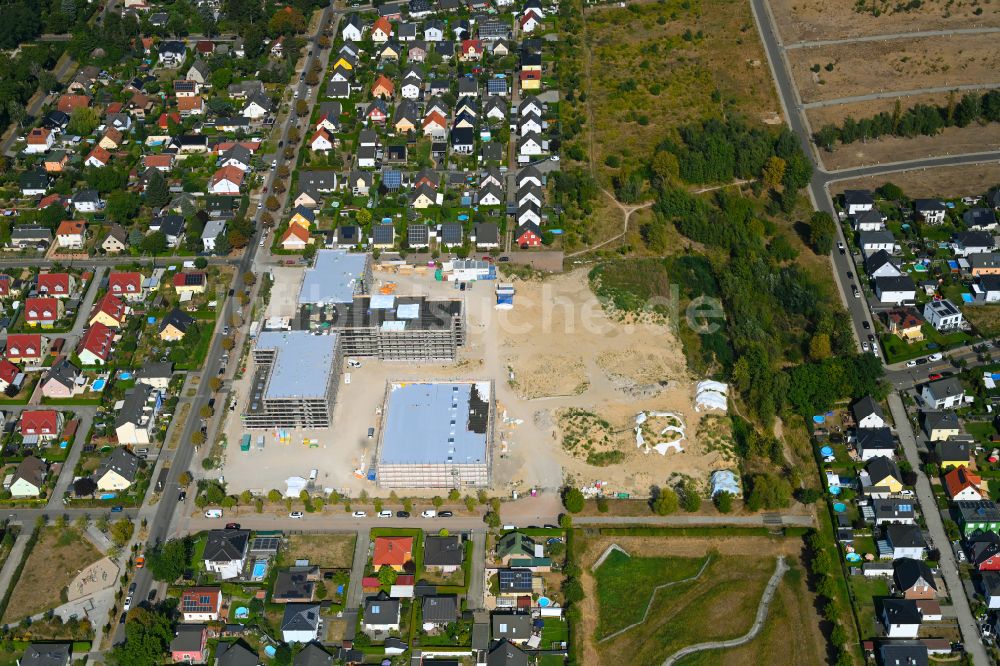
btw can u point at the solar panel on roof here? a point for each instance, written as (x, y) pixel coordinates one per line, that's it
(392, 178)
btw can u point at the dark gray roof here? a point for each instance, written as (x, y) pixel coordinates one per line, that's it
(156, 370)
(505, 653)
(383, 234)
(381, 610)
(451, 233)
(318, 180)
(858, 197)
(978, 510)
(947, 420)
(944, 388)
(133, 405)
(515, 580)
(880, 467)
(979, 217)
(876, 438)
(46, 654)
(892, 509)
(443, 550)
(418, 234)
(865, 407)
(516, 626)
(901, 611)
(122, 461)
(440, 609)
(178, 319)
(908, 572)
(300, 617)
(953, 449)
(226, 545)
(236, 654)
(313, 655)
(974, 239)
(63, 372)
(904, 653)
(292, 584)
(905, 536)
(890, 283)
(188, 638)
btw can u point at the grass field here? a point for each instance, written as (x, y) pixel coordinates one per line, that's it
(984, 318)
(329, 551)
(946, 182)
(654, 66)
(55, 560)
(625, 584)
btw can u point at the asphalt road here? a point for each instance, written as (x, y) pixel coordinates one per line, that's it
(857, 307)
(892, 94)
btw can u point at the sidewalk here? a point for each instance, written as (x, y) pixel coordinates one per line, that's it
(86, 416)
(14, 559)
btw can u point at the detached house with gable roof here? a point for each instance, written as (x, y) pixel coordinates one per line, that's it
(226, 552)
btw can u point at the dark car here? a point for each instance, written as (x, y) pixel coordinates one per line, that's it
(151, 595)
(131, 588)
(121, 620)
(116, 509)
(445, 514)
(871, 338)
(230, 292)
(866, 325)
(402, 514)
(181, 496)
(232, 526)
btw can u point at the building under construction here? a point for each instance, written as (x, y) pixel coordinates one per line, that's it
(436, 435)
(392, 328)
(295, 380)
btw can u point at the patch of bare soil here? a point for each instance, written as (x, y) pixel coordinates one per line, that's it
(950, 141)
(955, 181)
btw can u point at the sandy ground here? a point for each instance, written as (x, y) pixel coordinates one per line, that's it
(563, 351)
(870, 67)
(951, 141)
(285, 291)
(958, 181)
(800, 20)
(98, 576)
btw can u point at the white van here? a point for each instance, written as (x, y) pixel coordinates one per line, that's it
(429, 513)
(313, 474)
(213, 513)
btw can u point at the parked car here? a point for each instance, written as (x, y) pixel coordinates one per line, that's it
(937, 356)
(429, 513)
(140, 562)
(296, 514)
(151, 595)
(402, 514)
(128, 603)
(445, 514)
(232, 526)
(385, 514)
(359, 514)
(935, 375)
(116, 509)
(911, 364)
(866, 325)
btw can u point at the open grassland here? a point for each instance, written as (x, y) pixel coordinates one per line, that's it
(654, 66)
(865, 68)
(329, 551)
(58, 556)
(947, 182)
(950, 141)
(720, 604)
(801, 20)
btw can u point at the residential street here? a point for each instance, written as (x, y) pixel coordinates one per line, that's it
(935, 526)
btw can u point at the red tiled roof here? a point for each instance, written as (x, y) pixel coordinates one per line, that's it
(97, 340)
(189, 279)
(297, 231)
(41, 309)
(394, 551)
(53, 283)
(40, 422)
(24, 345)
(67, 103)
(231, 173)
(125, 283)
(71, 228)
(201, 600)
(8, 371)
(110, 305)
(960, 478)
(157, 161)
(189, 103)
(100, 155)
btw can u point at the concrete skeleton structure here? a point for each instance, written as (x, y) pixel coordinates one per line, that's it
(436, 435)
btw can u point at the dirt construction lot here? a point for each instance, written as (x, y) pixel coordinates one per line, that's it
(801, 20)
(556, 349)
(958, 181)
(950, 141)
(328, 551)
(870, 67)
(720, 604)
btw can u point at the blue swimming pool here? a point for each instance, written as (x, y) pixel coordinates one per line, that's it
(107, 496)
(967, 298)
(98, 384)
(259, 570)
(126, 375)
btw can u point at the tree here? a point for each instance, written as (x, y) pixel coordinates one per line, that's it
(249, 278)
(768, 491)
(84, 486)
(454, 495)
(221, 78)
(83, 121)
(121, 531)
(437, 501)
(197, 438)
(168, 560)
(228, 344)
(822, 231)
(201, 263)
(387, 576)
(272, 203)
(774, 172)
(819, 347)
(215, 384)
(301, 107)
(808, 495)
(692, 498)
(148, 632)
(157, 190)
(274, 496)
(155, 243)
(573, 500)
(185, 478)
(363, 216)
(666, 502)
(470, 503)
(206, 412)
(286, 21)
(122, 205)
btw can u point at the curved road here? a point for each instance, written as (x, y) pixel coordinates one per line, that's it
(896, 35)
(765, 603)
(899, 93)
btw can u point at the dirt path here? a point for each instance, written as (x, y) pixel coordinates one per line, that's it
(626, 213)
(765, 603)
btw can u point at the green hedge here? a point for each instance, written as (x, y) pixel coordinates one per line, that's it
(17, 572)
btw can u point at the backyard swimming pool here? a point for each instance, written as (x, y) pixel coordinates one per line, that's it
(98, 384)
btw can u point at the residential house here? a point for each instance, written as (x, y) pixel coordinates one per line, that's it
(978, 516)
(417, 236)
(71, 234)
(381, 614)
(871, 242)
(257, 106)
(881, 477)
(56, 161)
(190, 644)
(41, 424)
(39, 140)
(505, 653)
(28, 478)
(892, 510)
(512, 627)
(857, 201)
(210, 234)
(984, 263)
(353, 28)
(383, 236)
(226, 552)
(528, 235)
(515, 581)
(118, 472)
(962, 484)
(946, 393)
(44, 312)
(392, 551)
(171, 53)
(914, 579)
(29, 348)
(381, 30)
(905, 541)
(47, 654)
(200, 604)
(295, 585)
(157, 375)
(59, 381)
(69, 103)
(980, 219)
(226, 180)
(175, 325)
(901, 618)
(97, 158)
(943, 315)
(967, 243)
(895, 290)
(109, 311)
(136, 419)
(868, 413)
(486, 236)
(443, 553)
(869, 220)
(116, 240)
(323, 182)
(235, 654)
(87, 201)
(295, 239)
(940, 426)
(300, 623)
(952, 453)
(95, 345)
(34, 183)
(126, 285)
(438, 611)
(929, 211)
(11, 378)
(314, 655)
(190, 283)
(903, 653)
(875, 442)
(450, 233)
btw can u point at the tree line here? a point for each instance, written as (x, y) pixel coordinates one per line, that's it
(919, 119)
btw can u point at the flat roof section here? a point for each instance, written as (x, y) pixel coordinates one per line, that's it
(332, 277)
(436, 423)
(302, 363)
